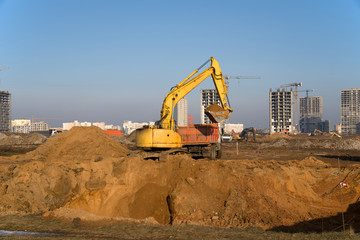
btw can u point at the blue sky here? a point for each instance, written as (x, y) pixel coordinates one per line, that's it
(116, 60)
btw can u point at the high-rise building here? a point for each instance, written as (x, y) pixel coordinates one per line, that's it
(350, 110)
(5, 111)
(281, 111)
(311, 115)
(181, 112)
(208, 97)
(311, 107)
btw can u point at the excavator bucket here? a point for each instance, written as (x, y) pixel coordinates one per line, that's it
(216, 113)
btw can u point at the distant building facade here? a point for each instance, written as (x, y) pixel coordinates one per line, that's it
(234, 127)
(181, 112)
(130, 126)
(281, 111)
(67, 126)
(5, 111)
(26, 126)
(311, 107)
(99, 125)
(311, 115)
(39, 126)
(21, 125)
(350, 110)
(208, 97)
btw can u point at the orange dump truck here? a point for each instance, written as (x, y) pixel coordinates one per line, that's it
(201, 140)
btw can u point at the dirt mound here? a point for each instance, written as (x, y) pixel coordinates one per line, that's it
(315, 143)
(85, 173)
(34, 138)
(21, 139)
(80, 143)
(273, 137)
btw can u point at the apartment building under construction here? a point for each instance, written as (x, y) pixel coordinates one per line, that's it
(350, 111)
(208, 97)
(5, 111)
(281, 111)
(311, 115)
(311, 107)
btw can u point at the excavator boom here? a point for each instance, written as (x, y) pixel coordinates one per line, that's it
(188, 84)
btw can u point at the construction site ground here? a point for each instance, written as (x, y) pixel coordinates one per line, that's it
(83, 184)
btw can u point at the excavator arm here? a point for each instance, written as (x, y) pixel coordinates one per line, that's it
(187, 85)
(163, 135)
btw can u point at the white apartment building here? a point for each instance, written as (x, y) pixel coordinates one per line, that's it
(21, 125)
(130, 126)
(102, 125)
(25, 126)
(76, 123)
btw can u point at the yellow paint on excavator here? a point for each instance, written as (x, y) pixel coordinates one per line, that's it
(157, 138)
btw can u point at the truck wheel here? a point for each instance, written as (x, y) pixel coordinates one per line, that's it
(218, 154)
(212, 152)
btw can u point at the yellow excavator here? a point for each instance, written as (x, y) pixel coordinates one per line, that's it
(163, 134)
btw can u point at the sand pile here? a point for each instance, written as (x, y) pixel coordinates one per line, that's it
(80, 143)
(273, 137)
(84, 173)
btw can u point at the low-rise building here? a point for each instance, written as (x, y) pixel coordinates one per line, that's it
(39, 126)
(236, 128)
(102, 125)
(21, 125)
(130, 126)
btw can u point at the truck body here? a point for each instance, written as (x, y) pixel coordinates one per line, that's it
(199, 134)
(201, 140)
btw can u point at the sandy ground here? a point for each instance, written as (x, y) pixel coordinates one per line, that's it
(280, 182)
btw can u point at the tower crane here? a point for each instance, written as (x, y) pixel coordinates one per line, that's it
(227, 77)
(296, 85)
(307, 91)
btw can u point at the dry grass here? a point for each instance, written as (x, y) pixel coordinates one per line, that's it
(115, 230)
